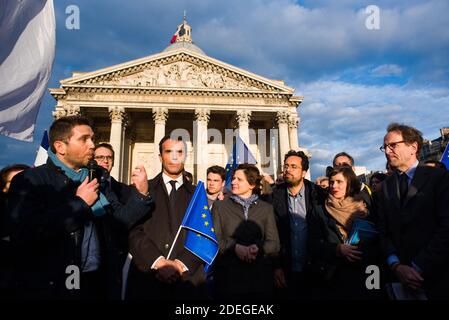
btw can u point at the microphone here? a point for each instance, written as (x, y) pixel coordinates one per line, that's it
(92, 166)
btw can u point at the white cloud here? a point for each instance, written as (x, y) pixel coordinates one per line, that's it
(387, 70)
(338, 116)
(299, 42)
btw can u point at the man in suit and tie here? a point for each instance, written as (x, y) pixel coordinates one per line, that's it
(158, 270)
(414, 215)
(105, 156)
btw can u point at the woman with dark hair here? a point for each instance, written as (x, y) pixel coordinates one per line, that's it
(339, 264)
(248, 239)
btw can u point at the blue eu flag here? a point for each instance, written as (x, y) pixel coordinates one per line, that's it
(240, 154)
(201, 239)
(445, 156)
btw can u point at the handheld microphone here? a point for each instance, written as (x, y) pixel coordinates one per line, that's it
(92, 166)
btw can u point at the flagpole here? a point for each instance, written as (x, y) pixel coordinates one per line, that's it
(174, 241)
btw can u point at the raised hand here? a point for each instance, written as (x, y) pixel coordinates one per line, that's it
(139, 179)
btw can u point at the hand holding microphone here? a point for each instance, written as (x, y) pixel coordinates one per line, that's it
(88, 190)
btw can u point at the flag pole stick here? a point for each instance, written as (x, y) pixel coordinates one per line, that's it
(174, 241)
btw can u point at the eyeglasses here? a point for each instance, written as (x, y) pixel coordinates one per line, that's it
(293, 167)
(103, 158)
(390, 146)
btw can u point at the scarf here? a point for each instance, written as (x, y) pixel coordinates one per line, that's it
(345, 211)
(246, 203)
(79, 176)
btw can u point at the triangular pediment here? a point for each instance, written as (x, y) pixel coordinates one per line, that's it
(181, 68)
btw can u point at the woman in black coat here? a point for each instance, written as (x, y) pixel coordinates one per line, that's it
(339, 266)
(248, 239)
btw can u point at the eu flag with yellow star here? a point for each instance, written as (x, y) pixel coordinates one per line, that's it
(200, 239)
(240, 154)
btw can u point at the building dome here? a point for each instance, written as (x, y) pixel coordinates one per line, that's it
(183, 44)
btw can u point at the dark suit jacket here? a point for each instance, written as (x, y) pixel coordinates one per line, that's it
(47, 229)
(123, 191)
(153, 238)
(418, 231)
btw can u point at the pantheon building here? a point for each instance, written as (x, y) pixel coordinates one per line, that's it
(183, 91)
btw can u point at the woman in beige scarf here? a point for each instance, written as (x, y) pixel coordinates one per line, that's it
(345, 205)
(340, 265)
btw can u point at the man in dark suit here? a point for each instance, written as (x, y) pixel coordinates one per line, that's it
(60, 221)
(160, 271)
(414, 216)
(292, 201)
(105, 156)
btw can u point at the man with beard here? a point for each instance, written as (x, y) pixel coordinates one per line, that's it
(60, 221)
(414, 216)
(292, 201)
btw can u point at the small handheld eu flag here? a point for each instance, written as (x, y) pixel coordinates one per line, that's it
(200, 239)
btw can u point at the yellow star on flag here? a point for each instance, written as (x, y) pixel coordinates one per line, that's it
(212, 229)
(203, 215)
(205, 208)
(206, 223)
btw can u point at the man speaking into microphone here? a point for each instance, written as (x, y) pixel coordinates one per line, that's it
(61, 220)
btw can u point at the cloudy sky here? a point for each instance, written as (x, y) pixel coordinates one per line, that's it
(355, 80)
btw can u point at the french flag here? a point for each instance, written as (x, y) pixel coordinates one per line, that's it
(41, 157)
(180, 32)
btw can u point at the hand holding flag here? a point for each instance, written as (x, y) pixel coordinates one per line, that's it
(200, 239)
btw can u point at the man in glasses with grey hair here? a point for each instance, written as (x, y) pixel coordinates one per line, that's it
(414, 216)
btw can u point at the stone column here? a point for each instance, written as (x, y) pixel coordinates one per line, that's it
(243, 118)
(293, 123)
(160, 116)
(284, 145)
(201, 148)
(117, 115)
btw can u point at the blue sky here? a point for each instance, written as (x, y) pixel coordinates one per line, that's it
(354, 81)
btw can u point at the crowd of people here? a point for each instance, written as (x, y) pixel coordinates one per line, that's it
(287, 239)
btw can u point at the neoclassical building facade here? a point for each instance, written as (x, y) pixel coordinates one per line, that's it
(182, 90)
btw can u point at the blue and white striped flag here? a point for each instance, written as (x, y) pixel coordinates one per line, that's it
(27, 50)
